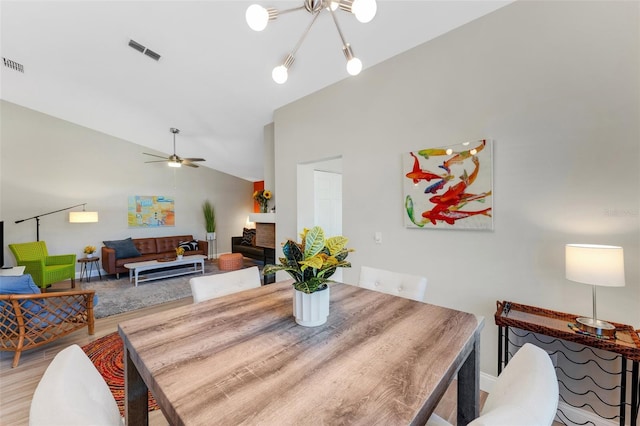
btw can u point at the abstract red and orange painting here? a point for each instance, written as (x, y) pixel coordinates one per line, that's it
(449, 187)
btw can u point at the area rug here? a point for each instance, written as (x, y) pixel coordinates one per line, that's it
(107, 354)
(116, 296)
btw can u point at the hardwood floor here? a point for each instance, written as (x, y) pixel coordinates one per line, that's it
(17, 385)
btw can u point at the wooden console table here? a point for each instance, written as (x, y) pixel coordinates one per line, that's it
(626, 344)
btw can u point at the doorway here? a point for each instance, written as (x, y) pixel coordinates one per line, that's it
(319, 195)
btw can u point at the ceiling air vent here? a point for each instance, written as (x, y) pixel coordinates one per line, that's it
(140, 48)
(152, 54)
(137, 46)
(13, 65)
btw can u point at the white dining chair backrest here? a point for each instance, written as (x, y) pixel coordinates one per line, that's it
(399, 284)
(525, 393)
(211, 286)
(73, 393)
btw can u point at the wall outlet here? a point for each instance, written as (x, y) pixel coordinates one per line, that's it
(377, 237)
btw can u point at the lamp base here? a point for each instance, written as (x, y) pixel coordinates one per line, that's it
(596, 326)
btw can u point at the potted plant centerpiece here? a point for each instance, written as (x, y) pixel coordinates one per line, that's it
(179, 252)
(209, 220)
(89, 250)
(311, 263)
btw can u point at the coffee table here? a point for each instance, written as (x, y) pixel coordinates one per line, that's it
(12, 272)
(162, 270)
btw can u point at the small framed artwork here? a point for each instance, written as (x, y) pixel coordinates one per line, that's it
(150, 211)
(449, 187)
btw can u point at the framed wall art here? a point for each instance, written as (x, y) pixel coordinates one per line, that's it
(449, 187)
(150, 211)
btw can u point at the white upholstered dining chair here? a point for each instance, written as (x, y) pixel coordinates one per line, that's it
(398, 284)
(525, 393)
(211, 286)
(73, 393)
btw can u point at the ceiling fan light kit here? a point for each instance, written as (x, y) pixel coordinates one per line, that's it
(258, 18)
(174, 160)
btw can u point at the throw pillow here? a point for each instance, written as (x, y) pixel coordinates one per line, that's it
(189, 245)
(247, 236)
(124, 248)
(22, 284)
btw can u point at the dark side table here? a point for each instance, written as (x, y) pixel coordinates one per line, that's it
(86, 267)
(625, 346)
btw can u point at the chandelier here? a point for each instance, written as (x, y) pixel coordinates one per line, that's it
(364, 10)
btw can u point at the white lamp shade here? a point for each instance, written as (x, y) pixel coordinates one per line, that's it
(83, 217)
(595, 264)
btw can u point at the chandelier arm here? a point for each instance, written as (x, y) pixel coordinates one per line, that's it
(293, 9)
(335, 21)
(304, 35)
(346, 5)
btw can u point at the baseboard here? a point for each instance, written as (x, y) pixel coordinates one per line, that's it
(572, 416)
(576, 417)
(486, 382)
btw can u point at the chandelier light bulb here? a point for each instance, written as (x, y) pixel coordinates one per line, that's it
(257, 17)
(280, 74)
(364, 10)
(334, 4)
(354, 66)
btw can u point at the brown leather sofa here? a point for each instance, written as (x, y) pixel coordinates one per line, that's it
(150, 249)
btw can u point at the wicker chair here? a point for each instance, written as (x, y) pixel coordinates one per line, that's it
(44, 269)
(28, 321)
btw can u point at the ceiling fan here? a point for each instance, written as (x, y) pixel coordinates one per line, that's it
(174, 160)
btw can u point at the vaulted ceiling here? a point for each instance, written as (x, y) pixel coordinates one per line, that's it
(213, 80)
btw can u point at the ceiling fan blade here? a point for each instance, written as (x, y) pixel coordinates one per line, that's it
(154, 155)
(174, 157)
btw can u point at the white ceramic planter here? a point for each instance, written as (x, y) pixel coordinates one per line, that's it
(89, 255)
(211, 236)
(311, 310)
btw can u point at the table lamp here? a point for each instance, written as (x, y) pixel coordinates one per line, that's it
(597, 265)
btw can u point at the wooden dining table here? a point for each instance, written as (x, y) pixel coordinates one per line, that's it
(241, 359)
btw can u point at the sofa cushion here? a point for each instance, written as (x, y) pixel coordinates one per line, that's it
(248, 237)
(124, 248)
(146, 245)
(169, 244)
(189, 245)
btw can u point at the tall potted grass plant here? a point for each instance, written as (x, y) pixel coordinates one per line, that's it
(209, 220)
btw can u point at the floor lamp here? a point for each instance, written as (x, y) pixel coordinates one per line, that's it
(599, 266)
(74, 217)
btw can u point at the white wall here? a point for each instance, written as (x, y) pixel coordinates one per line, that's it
(556, 86)
(49, 164)
(269, 172)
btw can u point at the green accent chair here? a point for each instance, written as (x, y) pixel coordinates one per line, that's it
(44, 269)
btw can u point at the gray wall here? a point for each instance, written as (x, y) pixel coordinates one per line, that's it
(49, 164)
(556, 86)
